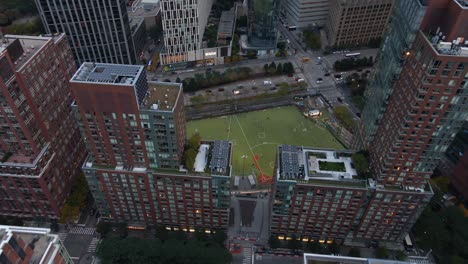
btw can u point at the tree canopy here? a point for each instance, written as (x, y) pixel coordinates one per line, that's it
(361, 164)
(445, 232)
(312, 39)
(351, 63)
(142, 251)
(76, 201)
(343, 114)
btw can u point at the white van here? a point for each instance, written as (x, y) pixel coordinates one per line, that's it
(267, 83)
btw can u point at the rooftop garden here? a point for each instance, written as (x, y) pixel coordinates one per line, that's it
(332, 166)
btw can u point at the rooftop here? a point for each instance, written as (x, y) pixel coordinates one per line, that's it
(135, 24)
(162, 96)
(23, 48)
(145, 8)
(226, 23)
(108, 73)
(462, 3)
(214, 157)
(311, 258)
(300, 163)
(45, 245)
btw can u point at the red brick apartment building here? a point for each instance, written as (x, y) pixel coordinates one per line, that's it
(134, 131)
(40, 145)
(23, 245)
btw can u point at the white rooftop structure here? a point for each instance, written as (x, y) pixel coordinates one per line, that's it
(322, 164)
(45, 247)
(201, 158)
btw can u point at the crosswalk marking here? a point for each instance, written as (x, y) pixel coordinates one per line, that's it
(247, 252)
(62, 236)
(82, 230)
(93, 245)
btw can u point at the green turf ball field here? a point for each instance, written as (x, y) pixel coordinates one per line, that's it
(260, 132)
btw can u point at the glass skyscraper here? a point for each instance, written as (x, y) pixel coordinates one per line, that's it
(262, 20)
(404, 24)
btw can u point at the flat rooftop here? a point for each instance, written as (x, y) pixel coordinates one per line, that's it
(144, 9)
(310, 258)
(45, 244)
(214, 157)
(226, 23)
(462, 3)
(107, 73)
(162, 96)
(23, 48)
(301, 163)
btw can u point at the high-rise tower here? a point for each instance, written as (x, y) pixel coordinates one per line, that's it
(135, 134)
(98, 31)
(184, 24)
(428, 105)
(40, 144)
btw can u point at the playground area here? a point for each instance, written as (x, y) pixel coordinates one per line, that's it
(255, 136)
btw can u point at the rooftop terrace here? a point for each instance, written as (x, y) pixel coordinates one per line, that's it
(108, 73)
(23, 48)
(162, 96)
(299, 163)
(214, 157)
(45, 245)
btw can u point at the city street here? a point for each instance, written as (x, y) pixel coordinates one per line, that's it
(240, 89)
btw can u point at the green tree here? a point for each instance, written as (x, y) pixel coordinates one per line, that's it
(272, 68)
(334, 248)
(162, 233)
(137, 251)
(400, 255)
(178, 80)
(54, 226)
(251, 54)
(194, 141)
(312, 39)
(354, 252)
(189, 158)
(219, 236)
(180, 235)
(266, 67)
(122, 230)
(342, 113)
(76, 201)
(294, 243)
(442, 183)
(274, 242)
(242, 21)
(315, 247)
(103, 228)
(288, 68)
(382, 253)
(361, 164)
(457, 260)
(201, 235)
(279, 68)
